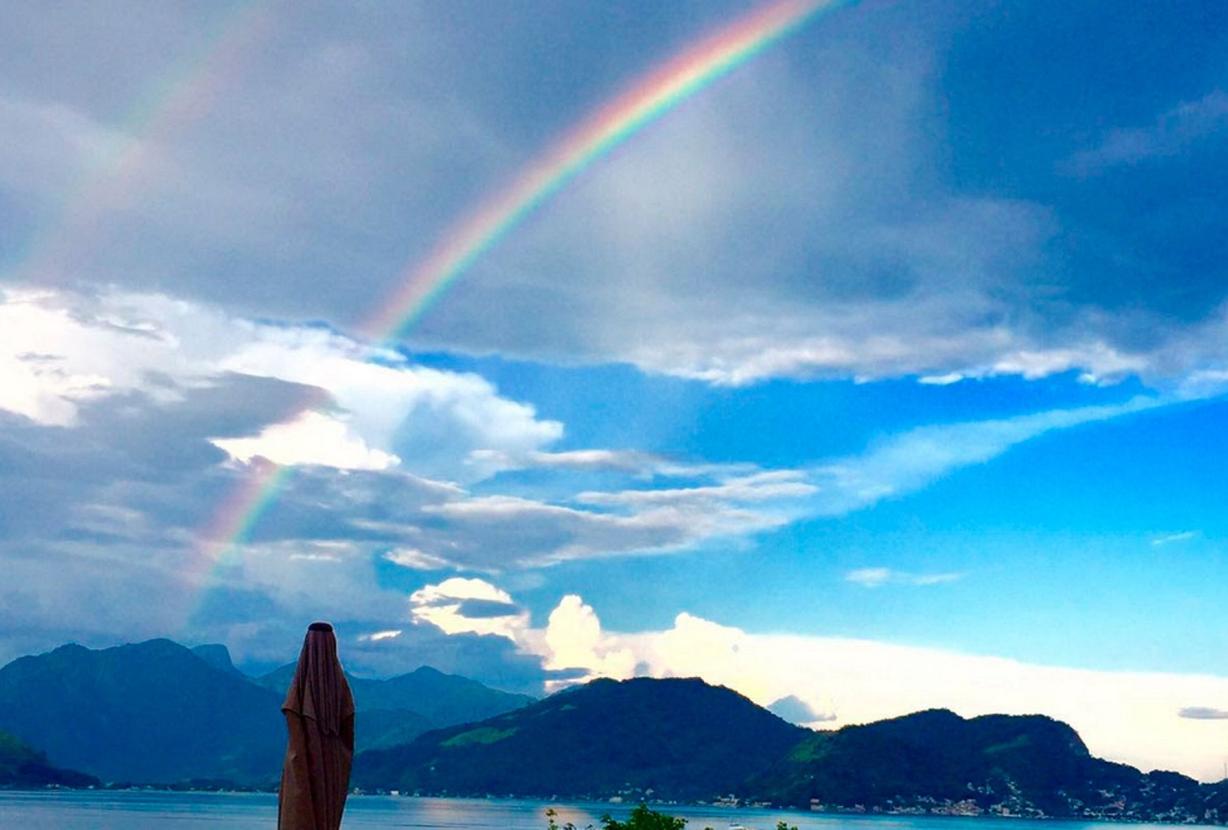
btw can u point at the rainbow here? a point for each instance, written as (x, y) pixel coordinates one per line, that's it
(259, 488)
(116, 176)
(652, 96)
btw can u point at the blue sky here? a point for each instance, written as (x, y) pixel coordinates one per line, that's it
(899, 352)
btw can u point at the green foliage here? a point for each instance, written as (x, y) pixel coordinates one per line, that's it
(784, 825)
(480, 735)
(641, 818)
(644, 819)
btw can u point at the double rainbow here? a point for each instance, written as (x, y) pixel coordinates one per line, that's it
(651, 97)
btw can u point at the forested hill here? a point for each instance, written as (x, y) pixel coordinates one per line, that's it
(666, 738)
(936, 761)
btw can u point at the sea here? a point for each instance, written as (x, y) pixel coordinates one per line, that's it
(147, 810)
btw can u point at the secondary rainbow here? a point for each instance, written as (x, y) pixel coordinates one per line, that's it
(653, 95)
(122, 168)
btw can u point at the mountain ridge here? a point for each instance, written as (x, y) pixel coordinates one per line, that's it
(159, 712)
(693, 748)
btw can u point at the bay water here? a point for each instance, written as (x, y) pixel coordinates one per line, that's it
(151, 810)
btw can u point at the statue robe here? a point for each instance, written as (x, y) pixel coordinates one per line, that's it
(319, 711)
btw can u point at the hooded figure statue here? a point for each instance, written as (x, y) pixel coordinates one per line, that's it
(319, 712)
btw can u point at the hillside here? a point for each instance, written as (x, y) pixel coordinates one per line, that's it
(678, 739)
(936, 761)
(22, 767)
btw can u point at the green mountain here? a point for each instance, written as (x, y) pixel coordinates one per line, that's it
(22, 767)
(157, 712)
(936, 761)
(151, 712)
(686, 740)
(680, 739)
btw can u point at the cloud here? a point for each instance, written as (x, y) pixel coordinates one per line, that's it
(311, 438)
(369, 408)
(1173, 133)
(573, 639)
(877, 577)
(377, 636)
(877, 266)
(1174, 538)
(1202, 713)
(775, 485)
(444, 606)
(631, 462)
(910, 460)
(795, 710)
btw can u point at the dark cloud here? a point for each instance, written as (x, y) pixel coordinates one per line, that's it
(1203, 713)
(487, 609)
(796, 710)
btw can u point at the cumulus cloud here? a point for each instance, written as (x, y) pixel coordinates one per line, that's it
(573, 639)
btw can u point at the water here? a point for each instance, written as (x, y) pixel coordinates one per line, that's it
(101, 810)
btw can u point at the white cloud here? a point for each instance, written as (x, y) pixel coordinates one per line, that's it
(311, 438)
(370, 408)
(378, 636)
(908, 461)
(443, 606)
(1174, 538)
(415, 559)
(1171, 134)
(573, 639)
(878, 576)
(775, 485)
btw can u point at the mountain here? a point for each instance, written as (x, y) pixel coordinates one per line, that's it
(676, 739)
(157, 712)
(686, 740)
(216, 655)
(397, 710)
(440, 699)
(151, 712)
(936, 761)
(24, 768)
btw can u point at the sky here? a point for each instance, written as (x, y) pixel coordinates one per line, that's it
(886, 370)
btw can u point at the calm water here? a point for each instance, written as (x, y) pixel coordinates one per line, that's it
(155, 811)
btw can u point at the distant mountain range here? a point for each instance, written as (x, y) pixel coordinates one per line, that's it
(157, 712)
(431, 698)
